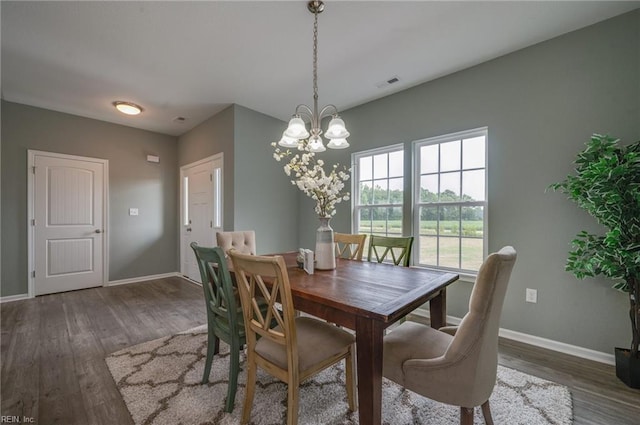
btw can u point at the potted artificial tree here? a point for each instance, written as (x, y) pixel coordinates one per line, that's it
(606, 184)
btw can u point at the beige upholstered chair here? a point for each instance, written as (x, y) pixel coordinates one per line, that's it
(242, 241)
(349, 246)
(455, 365)
(296, 349)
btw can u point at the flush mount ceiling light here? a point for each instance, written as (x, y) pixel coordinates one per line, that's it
(296, 131)
(127, 107)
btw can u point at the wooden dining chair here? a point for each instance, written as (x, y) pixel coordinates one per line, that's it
(296, 349)
(398, 248)
(455, 365)
(243, 241)
(349, 246)
(224, 314)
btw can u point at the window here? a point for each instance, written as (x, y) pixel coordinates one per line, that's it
(217, 196)
(378, 191)
(450, 200)
(185, 206)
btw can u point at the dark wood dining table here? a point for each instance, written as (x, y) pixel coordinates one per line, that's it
(368, 297)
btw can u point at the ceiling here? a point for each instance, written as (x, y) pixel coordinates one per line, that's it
(193, 59)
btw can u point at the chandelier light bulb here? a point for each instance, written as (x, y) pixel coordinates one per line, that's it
(338, 144)
(315, 144)
(336, 129)
(288, 142)
(296, 129)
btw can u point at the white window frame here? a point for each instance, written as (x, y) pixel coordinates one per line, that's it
(355, 183)
(416, 204)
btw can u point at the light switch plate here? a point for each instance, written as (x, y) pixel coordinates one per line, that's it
(531, 296)
(133, 211)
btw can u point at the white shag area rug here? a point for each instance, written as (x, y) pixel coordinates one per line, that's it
(160, 383)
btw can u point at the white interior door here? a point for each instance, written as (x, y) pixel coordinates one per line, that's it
(68, 223)
(202, 209)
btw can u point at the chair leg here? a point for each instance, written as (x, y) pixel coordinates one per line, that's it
(292, 403)
(250, 389)
(486, 412)
(350, 377)
(213, 346)
(466, 415)
(234, 369)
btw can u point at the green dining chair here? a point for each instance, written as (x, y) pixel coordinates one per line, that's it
(398, 248)
(224, 314)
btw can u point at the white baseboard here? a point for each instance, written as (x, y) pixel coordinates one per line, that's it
(19, 297)
(574, 350)
(537, 341)
(186, 279)
(142, 278)
(10, 298)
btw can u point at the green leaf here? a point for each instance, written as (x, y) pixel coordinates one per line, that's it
(606, 184)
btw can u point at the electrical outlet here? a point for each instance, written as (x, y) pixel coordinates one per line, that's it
(133, 211)
(531, 296)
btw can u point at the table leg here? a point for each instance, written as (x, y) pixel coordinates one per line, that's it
(369, 347)
(438, 310)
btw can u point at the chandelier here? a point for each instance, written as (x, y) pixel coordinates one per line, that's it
(296, 131)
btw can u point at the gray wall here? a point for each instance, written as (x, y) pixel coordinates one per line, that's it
(139, 246)
(209, 138)
(257, 194)
(541, 105)
(265, 200)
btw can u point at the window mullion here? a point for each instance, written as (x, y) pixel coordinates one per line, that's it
(460, 206)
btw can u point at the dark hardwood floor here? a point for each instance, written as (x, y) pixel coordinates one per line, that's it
(53, 349)
(599, 397)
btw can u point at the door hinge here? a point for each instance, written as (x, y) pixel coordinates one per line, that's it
(33, 169)
(210, 177)
(211, 224)
(33, 273)
(33, 221)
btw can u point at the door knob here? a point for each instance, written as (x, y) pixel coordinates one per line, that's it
(98, 231)
(188, 229)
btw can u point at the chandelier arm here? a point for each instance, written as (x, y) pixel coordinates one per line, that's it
(304, 110)
(327, 108)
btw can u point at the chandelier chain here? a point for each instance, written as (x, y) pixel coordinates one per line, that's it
(315, 57)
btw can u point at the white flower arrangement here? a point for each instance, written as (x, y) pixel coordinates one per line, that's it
(310, 177)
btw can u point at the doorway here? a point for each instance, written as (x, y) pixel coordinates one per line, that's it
(201, 209)
(67, 222)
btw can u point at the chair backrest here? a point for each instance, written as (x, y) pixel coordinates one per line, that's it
(349, 246)
(218, 288)
(398, 247)
(242, 241)
(252, 271)
(476, 339)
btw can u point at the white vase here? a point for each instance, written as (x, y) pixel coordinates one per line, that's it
(325, 247)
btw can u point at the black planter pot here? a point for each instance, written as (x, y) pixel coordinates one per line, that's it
(627, 368)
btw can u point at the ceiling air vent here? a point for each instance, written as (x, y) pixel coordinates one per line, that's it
(388, 82)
